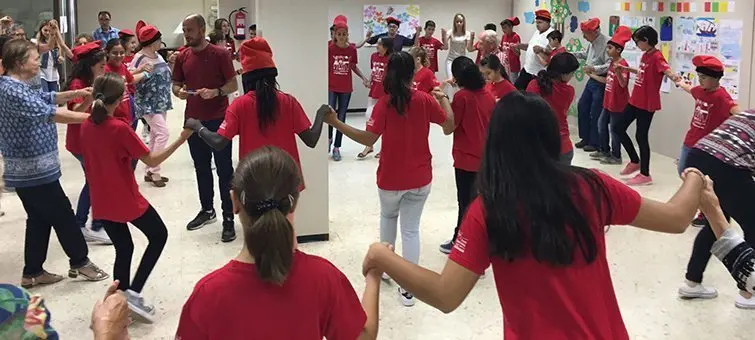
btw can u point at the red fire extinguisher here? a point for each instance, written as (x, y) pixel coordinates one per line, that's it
(238, 19)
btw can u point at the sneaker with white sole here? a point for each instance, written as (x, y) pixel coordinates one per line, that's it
(693, 290)
(139, 307)
(744, 303)
(407, 299)
(97, 236)
(446, 247)
(385, 277)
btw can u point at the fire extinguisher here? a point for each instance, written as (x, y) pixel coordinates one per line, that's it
(238, 18)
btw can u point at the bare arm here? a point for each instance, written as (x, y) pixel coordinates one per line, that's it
(66, 116)
(623, 81)
(673, 76)
(64, 97)
(371, 305)
(312, 136)
(735, 110)
(358, 72)
(363, 137)
(543, 59)
(470, 43)
(674, 215)
(449, 125)
(154, 158)
(684, 86)
(179, 90)
(63, 47)
(364, 41)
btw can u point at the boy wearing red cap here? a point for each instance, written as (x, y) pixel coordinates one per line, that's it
(509, 42)
(590, 105)
(532, 65)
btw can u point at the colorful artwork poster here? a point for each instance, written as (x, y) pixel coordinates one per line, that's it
(374, 18)
(706, 27)
(730, 38)
(632, 53)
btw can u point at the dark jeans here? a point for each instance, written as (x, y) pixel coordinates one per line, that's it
(202, 155)
(84, 203)
(48, 206)
(523, 80)
(50, 86)
(735, 189)
(606, 125)
(340, 103)
(465, 193)
(644, 119)
(152, 226)
(589, 109)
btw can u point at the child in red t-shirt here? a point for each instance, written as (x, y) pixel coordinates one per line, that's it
(643, 103)
(431, 45)
(424, 78)
(110, 147)
(553, 85)
(499, 83)
(272, 290)
(554, 47)
(540, 225)
(115, 64)
(378, 63)
(510, 41)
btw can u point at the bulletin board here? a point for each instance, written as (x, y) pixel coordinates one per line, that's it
(374, 18)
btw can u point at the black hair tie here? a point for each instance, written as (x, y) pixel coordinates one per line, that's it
(267, 205)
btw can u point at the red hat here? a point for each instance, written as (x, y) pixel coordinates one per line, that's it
(341, 22)
(257, 58)
(147, 34)
(590, 25)
(82, 51)
(513, 20)
(708, 65)
(621, 36)
(126, 33)
(543, 14)
(393, 20)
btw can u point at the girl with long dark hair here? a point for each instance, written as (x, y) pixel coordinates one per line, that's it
(265, 115)
(404, 174)
(498, 81)
(539, 223)
(224, 28)
(553, 85)
(289, 294)
(472, 106)
(510, 41)
(115, 64)
(111, 146)
(378, 63)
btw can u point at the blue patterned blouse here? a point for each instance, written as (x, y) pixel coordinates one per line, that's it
(153, 95)
(28, 137)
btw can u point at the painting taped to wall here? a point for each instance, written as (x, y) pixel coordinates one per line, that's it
(374, 18)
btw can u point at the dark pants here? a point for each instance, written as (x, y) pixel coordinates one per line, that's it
(644, 119)
(465, 193)
(48, 206)
(84, 203)
(340, 103)
(523, 80)
(589, 108)
(50, 86)
(152, 226)
(607, 123)
(735, 189)
(202, 155)
(566, 157)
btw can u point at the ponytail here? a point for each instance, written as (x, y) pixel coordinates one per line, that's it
(266, 91)
(397, 82)
(99, 111)
(545, 82)
(107, 90)
(270, 239)
(560, 65)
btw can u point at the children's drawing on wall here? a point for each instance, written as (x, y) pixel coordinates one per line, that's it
(583, 6)
(667, 28)
(730, 38)
(374, 18)
(575, 45)
(613, 23)
(574, 24)
(632, 53)
(529, 17)
(706, 27)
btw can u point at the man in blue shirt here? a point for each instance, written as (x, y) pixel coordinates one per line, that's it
(105, 32)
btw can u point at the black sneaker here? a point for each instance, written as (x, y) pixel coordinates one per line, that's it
(580, 144)
(590, 148)
(446, 247)
(229, 231)
(699, 221)
(202, 219)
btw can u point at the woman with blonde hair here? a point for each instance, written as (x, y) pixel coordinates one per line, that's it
(458, 42)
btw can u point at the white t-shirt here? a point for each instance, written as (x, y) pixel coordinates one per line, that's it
(531, 63)
(50, 73)
(457, 45)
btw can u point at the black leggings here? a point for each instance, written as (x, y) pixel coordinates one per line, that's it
(644, 119)
(465, 193)
(153, 227)
(735, 189)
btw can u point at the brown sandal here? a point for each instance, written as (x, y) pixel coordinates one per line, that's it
(45, 278)
(148, 178)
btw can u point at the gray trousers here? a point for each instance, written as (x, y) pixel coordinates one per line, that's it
(409, 205)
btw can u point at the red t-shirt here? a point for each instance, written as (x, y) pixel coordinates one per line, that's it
(560, 100)
(616, 97)
(501, 88)
(230, 46)
(424, 80)
(405, 158)
(340, 63)
(128, 59)
(241, 119)
(542, 301)
(431, 45)
(73, 131)
(316, 301)
(553, 53)
(111, 146)
(210, 68)
(711, 109)
(646, 94)
(378, 65)
(472, 112)
(508, 44)
(123, 111)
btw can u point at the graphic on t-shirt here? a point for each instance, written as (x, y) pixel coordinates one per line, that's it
(640, 75)
(702, 113)
(378, 71)
(341, 65)
(430, 48)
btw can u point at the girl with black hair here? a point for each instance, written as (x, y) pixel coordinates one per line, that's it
(89, 63)
(111, 145)
(404, 174)
(510, 41)
(472, 105)
(282, 292)
(553, 85)
(223, 27)
(424, 77)
(115, 64)
(498, 81)
(264, 115)
(643, 103)
(378, 63)
(540, 223)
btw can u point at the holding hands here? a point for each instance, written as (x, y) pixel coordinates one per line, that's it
(208, 93)
(369, 267)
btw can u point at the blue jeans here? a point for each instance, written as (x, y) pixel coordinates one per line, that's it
(340, 103)
(50, 86)
(606, 124)
(683, 159)
(82, 207)
(589, 108)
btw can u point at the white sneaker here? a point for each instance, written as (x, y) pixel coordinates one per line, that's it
(99, 236)
(140, 307)
(744, 303)
(407, 299)
(693, 290)
(386, 277)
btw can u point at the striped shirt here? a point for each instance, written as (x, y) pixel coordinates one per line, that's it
(733, 142)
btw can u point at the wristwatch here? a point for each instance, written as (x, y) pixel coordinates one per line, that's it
(221, 93)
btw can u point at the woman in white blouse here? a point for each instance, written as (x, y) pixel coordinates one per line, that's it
(459, 42)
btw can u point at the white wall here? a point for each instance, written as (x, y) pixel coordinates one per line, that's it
(477, 12)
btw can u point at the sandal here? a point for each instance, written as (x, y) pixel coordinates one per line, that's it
(362, 155)
(45, 278)
(90, 272)
(148, 178)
